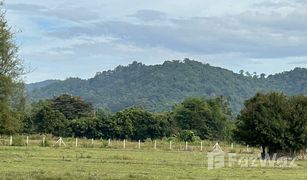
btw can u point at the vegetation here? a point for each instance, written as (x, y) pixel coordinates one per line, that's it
(71, 116)
(205, 117)
(102, 163)
(274, 121)
(159, 87)
(177, 101)
(11, 87)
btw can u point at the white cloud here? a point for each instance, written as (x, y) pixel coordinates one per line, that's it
(88, 36)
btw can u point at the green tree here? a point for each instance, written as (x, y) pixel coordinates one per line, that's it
(274, 121)
(296, 138)
(138, 124)
(72, 107)
(11, 68)
(101, 126)
(51, 121)
(205, 117)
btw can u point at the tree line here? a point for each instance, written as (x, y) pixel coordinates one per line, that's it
(273, 121)
(67, 115)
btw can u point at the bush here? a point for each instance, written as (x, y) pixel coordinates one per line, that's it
(187, 135)
(18, 141)
(104, 144)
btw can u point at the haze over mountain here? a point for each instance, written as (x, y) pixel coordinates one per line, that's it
(159, 87)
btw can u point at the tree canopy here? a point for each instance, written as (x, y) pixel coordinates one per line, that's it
(204, 116)
(275, 121)
(11, 88)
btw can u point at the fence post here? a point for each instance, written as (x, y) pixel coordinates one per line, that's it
(231, 145)
(247, 148)
(139, 144)
(27, 140)
(124, 144)
(109, 142)
(43, 141)
(186, 145)
(60, 143)
(92, 141)
(76, 142)
(11, 140)
(155, 146)
(201, 146)
(170, 145)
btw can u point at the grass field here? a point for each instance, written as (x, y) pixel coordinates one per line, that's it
(34, 162)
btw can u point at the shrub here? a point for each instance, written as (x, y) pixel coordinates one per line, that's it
(18, 141)
(187, 135)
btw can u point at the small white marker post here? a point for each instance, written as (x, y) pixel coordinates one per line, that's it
(92, 141)
(186, 145)
(231, 145)
(170, 145)
(155, 146)
(27, 140)
(124, 144)
(44, 141)
(109, 143)
(201, 146)
(60, 141)
(11, 140)
(139, 144)
(76, 142)
(247, 148)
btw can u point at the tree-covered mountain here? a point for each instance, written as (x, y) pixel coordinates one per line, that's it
(159, 87)
(33, 86)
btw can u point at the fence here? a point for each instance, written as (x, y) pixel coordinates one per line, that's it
(159, 145)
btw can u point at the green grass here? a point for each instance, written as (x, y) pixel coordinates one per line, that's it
(34, 162)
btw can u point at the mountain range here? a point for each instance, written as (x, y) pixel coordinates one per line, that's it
(159, 87)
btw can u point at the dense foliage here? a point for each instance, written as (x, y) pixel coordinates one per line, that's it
(158, 87)
(193, 118)
(205, 117)
(275, 121)
(11, 87)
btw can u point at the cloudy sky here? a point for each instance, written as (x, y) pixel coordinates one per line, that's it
(65, 38)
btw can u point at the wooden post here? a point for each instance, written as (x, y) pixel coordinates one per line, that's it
(124, 144)
(60, 141)
(27, 140)
(43, 141)
(76, 142)
(11, 140)
(201, 146)
(109, 142)
(186, 145)
(139, 144)
(155, 146)
(170, 145)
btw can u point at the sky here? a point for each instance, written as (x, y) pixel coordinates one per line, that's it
(64, 38)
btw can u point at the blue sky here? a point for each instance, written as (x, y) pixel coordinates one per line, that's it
(64, 38)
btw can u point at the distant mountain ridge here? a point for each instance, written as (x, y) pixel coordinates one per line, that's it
(159, 87)
(32, 86)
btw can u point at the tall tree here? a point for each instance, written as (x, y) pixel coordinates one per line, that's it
(274, 121)
(71, 106)
(51, 121)
(205, 117)
(11, 68)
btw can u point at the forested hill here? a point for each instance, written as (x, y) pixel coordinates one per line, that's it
(159, 87)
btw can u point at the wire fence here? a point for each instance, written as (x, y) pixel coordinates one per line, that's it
(158, 145)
